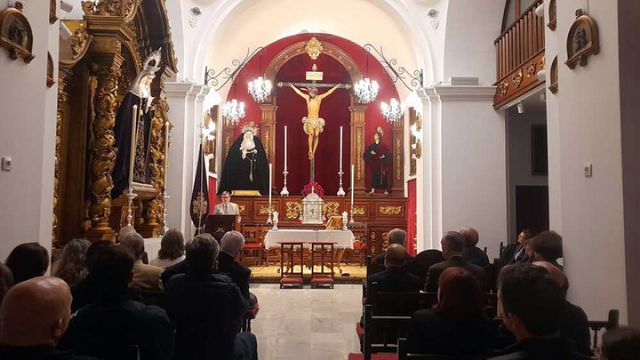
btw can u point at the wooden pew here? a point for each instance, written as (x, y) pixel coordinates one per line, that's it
(612, 321)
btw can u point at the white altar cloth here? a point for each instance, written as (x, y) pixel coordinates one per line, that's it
(342, 238)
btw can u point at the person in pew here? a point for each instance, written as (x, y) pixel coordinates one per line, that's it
(530, 304)
(27, 261)
(72, 266)
(395, 236)
(396, 277)
(171, 249)
(113, 326)
(145, 277)
(457, 325)
(423, 261)
(207, 308)
(621, 343)
(516, 253)
(472, 253)
(546, 246)
(452, 247)
(230, 246)
(6, 280)
(35, 314)
(574, 323)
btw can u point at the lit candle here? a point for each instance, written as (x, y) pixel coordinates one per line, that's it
(285, 148)
(166, 152)
(340, 148)
(352, 186)
(132, 150)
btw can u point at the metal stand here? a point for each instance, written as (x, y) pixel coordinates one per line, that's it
(340, 189)
(269, 219)
(166, 197)
(312, 165)
(130, 196)
(285, 191)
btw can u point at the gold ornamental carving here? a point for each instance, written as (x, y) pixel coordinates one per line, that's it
(102, 145)
(359, 211)
(390, 210)
(504, 88)
(293, 210)
(583, 40)
(79, 41)
(398, 161)
(153, 209)
(122, 8)
(331, 208)
(517, 78)
(242, 208)
(313, 48)
(200, 205)
(264, 209)
(359, 150)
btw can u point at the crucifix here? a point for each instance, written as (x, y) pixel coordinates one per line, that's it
(313, 124)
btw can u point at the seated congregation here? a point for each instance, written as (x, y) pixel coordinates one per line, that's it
(455, 304)
(106, 301)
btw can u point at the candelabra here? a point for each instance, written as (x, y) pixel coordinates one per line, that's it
(285, 191)
(340, 189)
(391, 111)
(269, 219)
(130, 196)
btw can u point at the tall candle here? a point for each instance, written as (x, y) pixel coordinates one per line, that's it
(340, 148)
(270, 170)
(166, 152)
(352, 185)
(132, 150)
(285, 148)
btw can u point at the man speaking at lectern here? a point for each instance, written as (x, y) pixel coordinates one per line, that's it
(226, 207)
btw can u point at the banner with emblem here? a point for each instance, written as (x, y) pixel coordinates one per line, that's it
(200, 196)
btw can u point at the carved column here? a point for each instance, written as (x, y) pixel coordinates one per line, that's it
(357, 144)
(398, 157)
(64, 75)
(106, 70)
(268, 134)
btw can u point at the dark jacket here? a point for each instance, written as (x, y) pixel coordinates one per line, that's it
(431, 332)
(433, 275)
(38, 353)
(108, 331)
(553, 348)
(380, 259)
(475, 255)
(394, 280)
(207, 311)
(168, 273)
(239, 273)
(88, 292)
(574, 325)
(512, 254)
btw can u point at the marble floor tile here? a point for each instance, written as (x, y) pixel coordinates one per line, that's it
(307, 324)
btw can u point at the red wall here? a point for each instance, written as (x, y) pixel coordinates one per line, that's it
(334, 109)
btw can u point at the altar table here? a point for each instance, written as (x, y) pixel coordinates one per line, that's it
(343, 239)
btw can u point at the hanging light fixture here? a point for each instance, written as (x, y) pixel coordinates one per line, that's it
(391, 111)
(260, 89)
(233, 111)
(366, 90)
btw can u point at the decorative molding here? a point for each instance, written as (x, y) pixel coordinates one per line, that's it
(390, 210)
(520, 81)
(465, 93)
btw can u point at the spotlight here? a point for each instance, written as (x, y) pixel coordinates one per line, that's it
(520, 108)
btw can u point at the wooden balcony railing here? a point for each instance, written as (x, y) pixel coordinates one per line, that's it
(519, 56)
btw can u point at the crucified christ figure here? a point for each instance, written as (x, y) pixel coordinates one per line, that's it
(313, 123)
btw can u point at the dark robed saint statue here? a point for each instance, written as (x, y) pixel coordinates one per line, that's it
(246, 166)
(378, 159)
(139, 95)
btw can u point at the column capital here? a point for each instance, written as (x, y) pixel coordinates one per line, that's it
(462, 93)
(177, 89)
(205, 90)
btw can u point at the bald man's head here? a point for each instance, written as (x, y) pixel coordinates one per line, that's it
(554, 273)
(35, 312)
(471, 237)
(396, 256)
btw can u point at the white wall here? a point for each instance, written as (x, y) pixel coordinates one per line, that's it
(584, 126)
(27, 135)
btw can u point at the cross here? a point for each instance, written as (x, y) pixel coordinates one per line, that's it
(314, 76)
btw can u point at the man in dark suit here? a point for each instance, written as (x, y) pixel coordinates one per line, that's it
(452, 247)
(207, 308)
(531, 303)
(395, 236)
(472, 253)
(396, 277)
(516, 253)
(230, 245)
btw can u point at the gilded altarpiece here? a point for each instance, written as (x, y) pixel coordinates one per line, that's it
(97, 64)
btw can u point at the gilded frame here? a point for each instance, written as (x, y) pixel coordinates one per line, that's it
(15, 34)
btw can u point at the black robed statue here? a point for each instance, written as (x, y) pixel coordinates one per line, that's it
(139, 95)
(246, 166)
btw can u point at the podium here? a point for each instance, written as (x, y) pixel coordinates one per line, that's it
(218, 225)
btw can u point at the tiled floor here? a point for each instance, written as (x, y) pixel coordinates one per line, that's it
(307, 324)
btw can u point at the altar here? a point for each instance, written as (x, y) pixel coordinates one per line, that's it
(343, 239)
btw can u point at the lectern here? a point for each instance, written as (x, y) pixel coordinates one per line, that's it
(218, 225)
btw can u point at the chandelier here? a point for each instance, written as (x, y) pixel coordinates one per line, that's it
(260, 89)
(391, 111)
(366, 90)
(233, 111)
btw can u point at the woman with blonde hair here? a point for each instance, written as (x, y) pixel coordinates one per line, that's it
(72, 266)
(171, 249)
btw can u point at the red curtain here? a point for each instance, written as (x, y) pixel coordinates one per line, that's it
(213, 189)
(411, 216)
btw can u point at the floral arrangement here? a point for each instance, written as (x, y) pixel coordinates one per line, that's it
(316, 188)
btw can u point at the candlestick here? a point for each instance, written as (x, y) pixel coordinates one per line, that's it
(165, 195)
(269, 221)
(285, 191)
(352, 189)
(340, 148)
(340, 172)
(132, 150)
